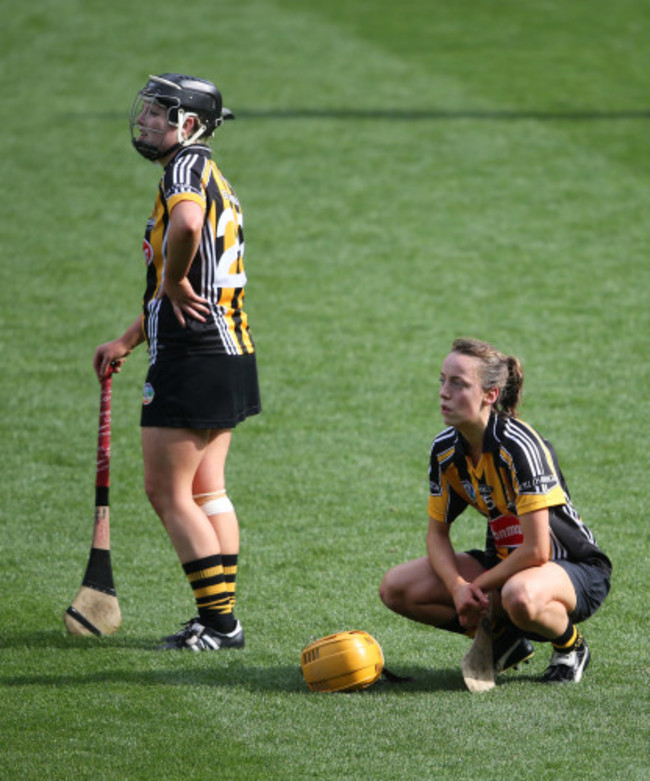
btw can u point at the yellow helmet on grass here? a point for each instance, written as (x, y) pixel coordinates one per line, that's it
(345, 661)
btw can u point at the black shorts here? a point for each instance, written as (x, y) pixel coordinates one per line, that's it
(590, 579)
(201, 392)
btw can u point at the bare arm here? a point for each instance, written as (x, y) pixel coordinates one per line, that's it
(116, 351)
(470, 600)
(183, 238)
(533, 552)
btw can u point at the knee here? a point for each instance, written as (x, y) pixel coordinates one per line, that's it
(152, 492)
(518, 601)
(389, 592)
(159, 497)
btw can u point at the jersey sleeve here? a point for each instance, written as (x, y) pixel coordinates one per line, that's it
(445, 505)
(184, 181)
(535, 480)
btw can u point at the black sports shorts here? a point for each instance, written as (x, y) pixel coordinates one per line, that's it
(201, 391)
(590, 579)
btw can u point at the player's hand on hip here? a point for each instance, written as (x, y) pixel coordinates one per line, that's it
(185, 301)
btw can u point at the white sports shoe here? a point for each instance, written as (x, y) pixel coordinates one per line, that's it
(198, 637)
(568, 668)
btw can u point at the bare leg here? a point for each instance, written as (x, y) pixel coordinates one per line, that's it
(210, 478)
(172, 458)
(415, 591)
(539, 600)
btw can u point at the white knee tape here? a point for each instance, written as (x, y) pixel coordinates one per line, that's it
(214, 503)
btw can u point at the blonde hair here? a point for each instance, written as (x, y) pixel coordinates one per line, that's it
(504, 372)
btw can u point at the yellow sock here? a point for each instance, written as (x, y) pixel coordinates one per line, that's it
(230, 574)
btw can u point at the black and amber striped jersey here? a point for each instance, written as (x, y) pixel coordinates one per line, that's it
(217, 270)
(518, 473)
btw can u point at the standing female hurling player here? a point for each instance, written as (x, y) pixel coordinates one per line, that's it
(202, 378)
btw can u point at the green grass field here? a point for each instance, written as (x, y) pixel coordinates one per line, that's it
(409, 173)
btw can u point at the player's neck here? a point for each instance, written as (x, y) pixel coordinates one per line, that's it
(473, 434)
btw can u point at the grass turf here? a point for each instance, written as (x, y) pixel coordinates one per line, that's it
(409, 173)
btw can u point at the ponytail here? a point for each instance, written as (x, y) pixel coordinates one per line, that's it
(510, 394)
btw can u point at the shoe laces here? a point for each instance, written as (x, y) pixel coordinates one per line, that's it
(190, 628)
(568, 660)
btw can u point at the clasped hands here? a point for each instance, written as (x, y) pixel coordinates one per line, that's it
(471, 604)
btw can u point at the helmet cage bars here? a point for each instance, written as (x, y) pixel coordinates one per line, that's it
(182, 97)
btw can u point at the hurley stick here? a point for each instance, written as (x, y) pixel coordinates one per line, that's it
(95, 609)
(478, 663)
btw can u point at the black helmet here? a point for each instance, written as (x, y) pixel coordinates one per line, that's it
(183, 96)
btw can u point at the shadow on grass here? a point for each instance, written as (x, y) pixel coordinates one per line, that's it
(252, 678)
(239, 675)
(227, 669)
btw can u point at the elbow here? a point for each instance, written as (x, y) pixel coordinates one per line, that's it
(189, 230)
(538, 556)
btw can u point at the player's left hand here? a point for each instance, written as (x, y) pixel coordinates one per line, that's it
(185, 301)
(471, 604)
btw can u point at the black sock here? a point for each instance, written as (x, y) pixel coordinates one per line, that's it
(454, 626)
(503, 625)
(206, 576)
(567, 641)
(230, 574)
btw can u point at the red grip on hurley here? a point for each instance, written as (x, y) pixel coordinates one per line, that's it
(104, 434)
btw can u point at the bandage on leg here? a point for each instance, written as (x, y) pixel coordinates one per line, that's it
(214, 503)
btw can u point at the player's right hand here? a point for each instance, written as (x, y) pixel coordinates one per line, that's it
(108, 358)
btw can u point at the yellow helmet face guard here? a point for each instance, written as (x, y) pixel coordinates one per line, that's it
(345, 661)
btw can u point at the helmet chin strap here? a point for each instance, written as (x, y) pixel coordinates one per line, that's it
(198, 133)
(153, 153)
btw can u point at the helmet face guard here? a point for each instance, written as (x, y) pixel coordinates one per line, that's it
(346, 661)
(181, 97)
